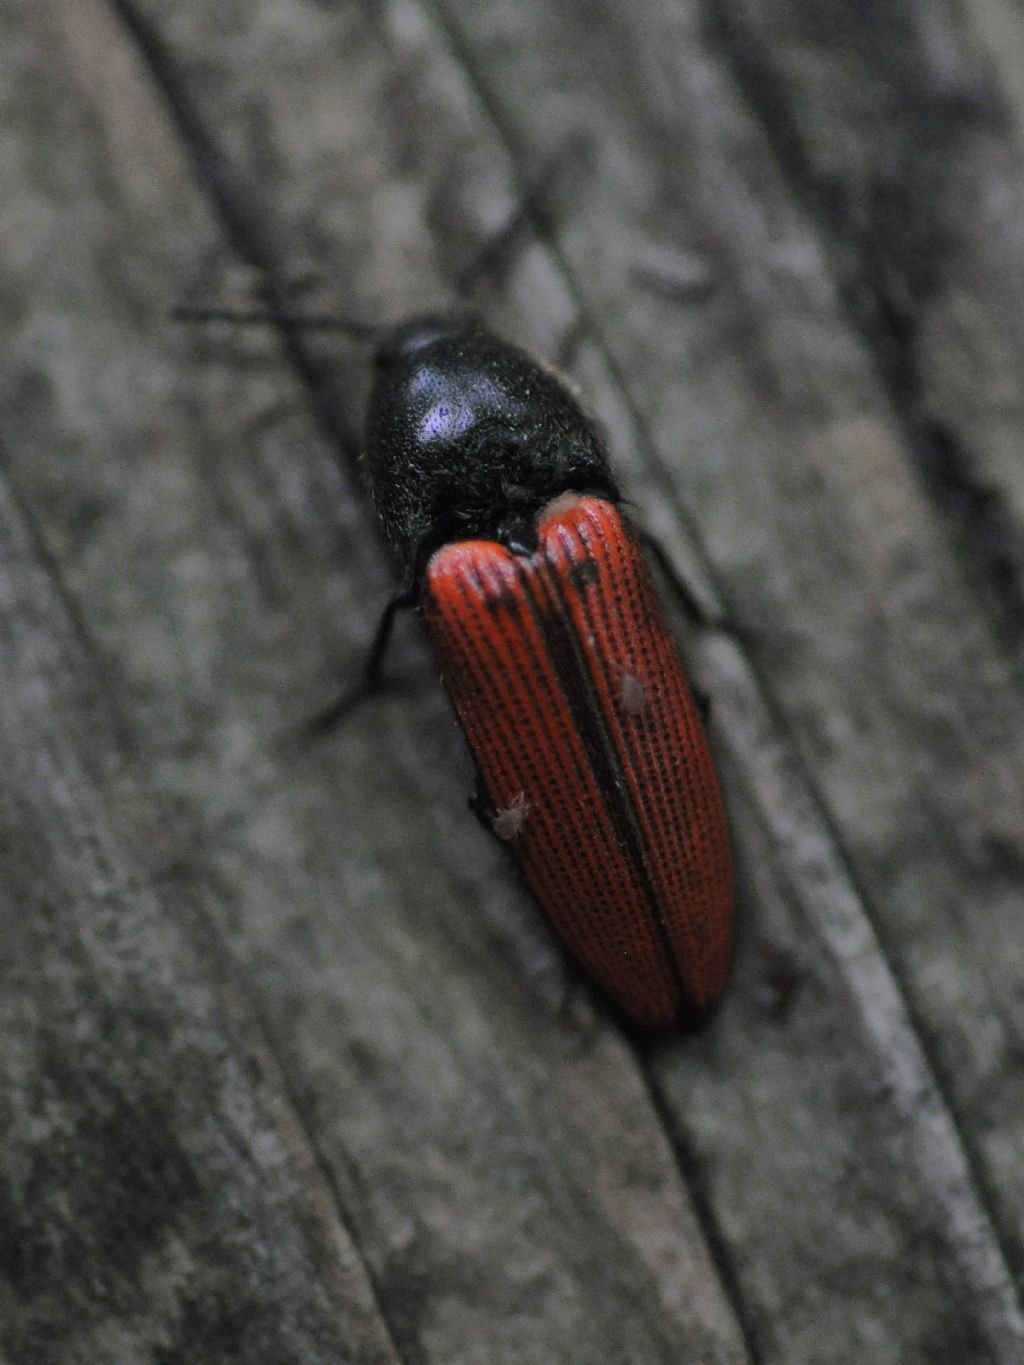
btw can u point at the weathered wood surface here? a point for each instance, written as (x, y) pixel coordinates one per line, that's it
(289, 1072)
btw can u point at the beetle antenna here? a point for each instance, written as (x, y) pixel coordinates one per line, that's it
(319, 322)
(494, 256)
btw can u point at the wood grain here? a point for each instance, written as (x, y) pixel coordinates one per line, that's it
(294, 1070)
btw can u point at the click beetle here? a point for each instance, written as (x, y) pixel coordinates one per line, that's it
(494, 487)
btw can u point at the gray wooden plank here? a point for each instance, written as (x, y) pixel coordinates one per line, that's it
(380, 936)
(159, 1200)
(998, 30)
(793, 1134)
(902, 143)
(768, 413)
(507, 1180)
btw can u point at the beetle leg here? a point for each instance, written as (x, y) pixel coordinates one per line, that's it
(700, 610)
(493, 259)
(482, 806)
(702, 701)
(370, 681)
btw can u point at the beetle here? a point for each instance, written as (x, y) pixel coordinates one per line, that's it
(494, 487)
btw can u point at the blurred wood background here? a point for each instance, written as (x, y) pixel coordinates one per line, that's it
(292, 1070)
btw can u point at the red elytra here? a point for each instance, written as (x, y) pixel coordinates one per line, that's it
(572, 697)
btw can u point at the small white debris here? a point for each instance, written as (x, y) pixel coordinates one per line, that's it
(508, 823)
(632, 695)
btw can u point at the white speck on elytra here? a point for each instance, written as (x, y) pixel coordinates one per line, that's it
(632, 695)
(508, 823)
